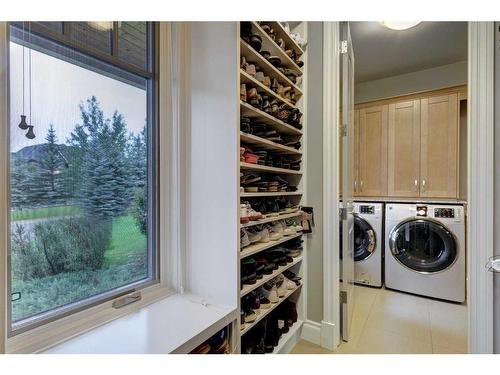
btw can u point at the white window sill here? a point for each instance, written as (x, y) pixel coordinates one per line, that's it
(162, 327)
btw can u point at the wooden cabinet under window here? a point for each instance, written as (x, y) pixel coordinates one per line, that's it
(408, 148)
(372, 169)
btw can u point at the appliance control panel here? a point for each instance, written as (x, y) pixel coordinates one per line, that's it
(370, 210)
(448, 213)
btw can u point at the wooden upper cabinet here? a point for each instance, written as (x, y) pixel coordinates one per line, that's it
(403, 165)
(439, 146)
(373, 151)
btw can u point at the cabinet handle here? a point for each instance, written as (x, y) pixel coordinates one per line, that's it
(361, 186)
(416, 185)
(423, 184)
(355, 186)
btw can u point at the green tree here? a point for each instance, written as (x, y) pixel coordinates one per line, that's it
(17, 183)
(51, 165)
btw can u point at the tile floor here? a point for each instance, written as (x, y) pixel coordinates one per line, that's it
(390, 322)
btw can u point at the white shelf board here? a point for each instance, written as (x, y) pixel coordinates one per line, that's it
(287, 336)
(267, 68)
(247, 110)
(270, 194)
(263, 168)
(270, 45)
(283, 216)
(264, 312)
(248, 288)
(282, 33)
(258, 247)
(248, 79)
(265, 144)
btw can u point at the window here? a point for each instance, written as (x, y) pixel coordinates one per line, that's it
(82, 166)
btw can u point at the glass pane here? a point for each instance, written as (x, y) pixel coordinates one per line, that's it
(364, 239)
(423, 246)
(132, 42)
(54, 26)
(79, 219)
(96, 34)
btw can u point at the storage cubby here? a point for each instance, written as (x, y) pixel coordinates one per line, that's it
(272, 126)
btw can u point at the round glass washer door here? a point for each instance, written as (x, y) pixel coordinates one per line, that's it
(365, 241)
(423, 245)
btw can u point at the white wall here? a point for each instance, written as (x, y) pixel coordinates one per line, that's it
(424, 80)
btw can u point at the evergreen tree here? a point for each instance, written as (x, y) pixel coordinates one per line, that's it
(51, 165)
(17, 183)
(137, 155)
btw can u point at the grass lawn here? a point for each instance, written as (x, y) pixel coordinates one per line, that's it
(44, 212)
(126, 242)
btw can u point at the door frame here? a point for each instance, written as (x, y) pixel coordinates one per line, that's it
(330, 324)
(480, 230)
(480, 143)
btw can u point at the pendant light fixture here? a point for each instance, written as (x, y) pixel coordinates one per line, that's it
(398, 25)
(23, 124)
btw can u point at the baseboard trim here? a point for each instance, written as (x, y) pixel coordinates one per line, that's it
(311, 331)
(328, 335)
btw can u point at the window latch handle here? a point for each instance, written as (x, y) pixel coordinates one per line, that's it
(127, 300)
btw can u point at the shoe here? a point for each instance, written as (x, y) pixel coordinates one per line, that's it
(273, 208)
(244, 218)
(244, 239)
(259, 333)
(281, 286)
(202, 349)
(293, 253)
(292, 277)
(276, 228)
(251, 302)
(264, 235)
(250, 316)
(290, 285)
(270, 291)
(253, 236)
(264, 302)
(291, 308)
(287, 231)
(252, 214)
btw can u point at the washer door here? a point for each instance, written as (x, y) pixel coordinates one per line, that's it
(423, 245)
(365, 240)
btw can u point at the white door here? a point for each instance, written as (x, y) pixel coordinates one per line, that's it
(346, 140)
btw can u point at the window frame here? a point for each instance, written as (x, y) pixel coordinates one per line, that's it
(43, 336)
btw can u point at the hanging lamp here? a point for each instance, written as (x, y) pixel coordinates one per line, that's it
(23, 124)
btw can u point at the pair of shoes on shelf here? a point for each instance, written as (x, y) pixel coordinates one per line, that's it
(247, 213)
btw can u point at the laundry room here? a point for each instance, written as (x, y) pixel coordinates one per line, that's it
(403, 173)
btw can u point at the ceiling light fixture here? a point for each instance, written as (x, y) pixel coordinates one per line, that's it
(399, 25)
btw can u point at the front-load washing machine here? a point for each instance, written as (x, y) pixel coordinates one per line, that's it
(425, 249)
(368, 243)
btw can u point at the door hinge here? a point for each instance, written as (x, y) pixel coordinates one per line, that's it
(343, 130)
(343, 296)
(343, 213)
(343, 46)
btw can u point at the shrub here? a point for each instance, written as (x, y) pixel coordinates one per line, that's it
(28, 262)
(73, 244)
(139, 209)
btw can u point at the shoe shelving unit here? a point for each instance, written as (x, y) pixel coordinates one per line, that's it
(264, 312)
(295, 177)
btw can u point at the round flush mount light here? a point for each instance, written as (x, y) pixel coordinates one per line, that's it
(395, 25)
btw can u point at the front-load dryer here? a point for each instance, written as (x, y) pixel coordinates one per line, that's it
(425, 250)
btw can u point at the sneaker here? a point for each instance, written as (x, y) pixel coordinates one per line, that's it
(264, 302)
(250, 316)
(244, 218)
(281, 286)
(242, 320)
(251, 213)
(244, 240)
(290, 285)
(275, 231)
(273, 209)
(264, 235)
(294, 253)
(253, 236)
(270, 291)
(287, 231)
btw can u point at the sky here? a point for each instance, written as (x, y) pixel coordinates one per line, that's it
(57, 88)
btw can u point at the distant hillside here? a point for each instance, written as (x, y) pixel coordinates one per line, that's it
(36, 153)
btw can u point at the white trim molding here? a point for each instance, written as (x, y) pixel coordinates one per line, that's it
(311, 331)
(480, 234)
(330, 332)
(4, 167)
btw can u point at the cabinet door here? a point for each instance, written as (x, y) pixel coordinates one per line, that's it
(403, 168)
(356, 153)
(373, 151)
(439, 146)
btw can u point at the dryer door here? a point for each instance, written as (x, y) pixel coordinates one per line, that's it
(423, 245)
(365, 240)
